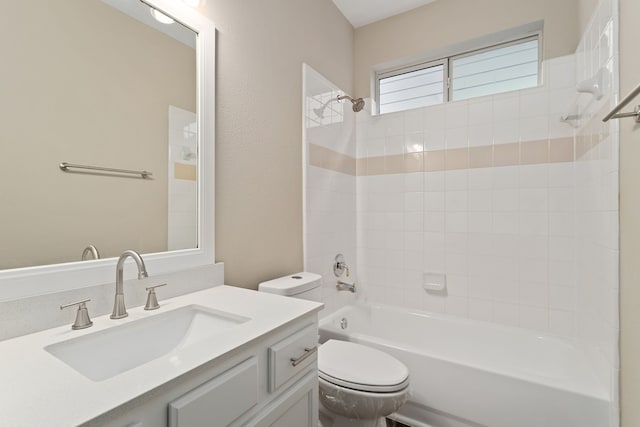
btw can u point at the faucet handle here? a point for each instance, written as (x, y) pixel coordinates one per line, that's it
(340, 265)
(152, 299)
(82, 316)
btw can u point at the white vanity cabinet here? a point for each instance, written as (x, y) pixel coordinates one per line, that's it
(255, 385)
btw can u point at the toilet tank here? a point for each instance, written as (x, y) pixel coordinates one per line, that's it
(300, 285)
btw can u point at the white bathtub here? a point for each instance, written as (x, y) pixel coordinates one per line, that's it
(468, 373)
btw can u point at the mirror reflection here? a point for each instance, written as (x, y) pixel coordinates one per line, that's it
(96, 83)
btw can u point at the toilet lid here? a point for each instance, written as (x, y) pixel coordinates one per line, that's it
(362, 368)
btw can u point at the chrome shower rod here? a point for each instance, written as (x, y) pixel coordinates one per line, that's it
(627, 99)
(66, 166)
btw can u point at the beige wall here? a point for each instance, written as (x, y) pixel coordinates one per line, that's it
(629, 223)
(261, 46)
(84, 83)
(445, 23)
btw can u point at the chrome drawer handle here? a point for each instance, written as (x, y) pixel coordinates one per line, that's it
(307, 352)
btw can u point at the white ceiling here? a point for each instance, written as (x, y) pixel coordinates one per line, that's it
(363, 12)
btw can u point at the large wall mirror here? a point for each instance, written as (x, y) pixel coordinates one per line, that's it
(105, 87)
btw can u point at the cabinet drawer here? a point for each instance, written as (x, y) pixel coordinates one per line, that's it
(218, 401)
(292, 355)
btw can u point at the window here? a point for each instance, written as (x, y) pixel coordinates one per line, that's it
(414, 87)
(500, 68)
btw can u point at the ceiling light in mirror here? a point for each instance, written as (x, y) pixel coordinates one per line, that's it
(161, 17)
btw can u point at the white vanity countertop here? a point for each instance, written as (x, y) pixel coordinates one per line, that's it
(37, 389)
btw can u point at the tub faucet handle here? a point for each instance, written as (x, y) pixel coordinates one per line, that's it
(340, 266)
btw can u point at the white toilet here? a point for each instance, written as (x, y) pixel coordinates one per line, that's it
(359, 385)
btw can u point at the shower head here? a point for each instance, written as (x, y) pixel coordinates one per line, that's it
(358, 103)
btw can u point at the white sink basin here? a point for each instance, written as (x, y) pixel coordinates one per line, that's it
(110, 352)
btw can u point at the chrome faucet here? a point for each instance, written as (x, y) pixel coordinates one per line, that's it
(344, 286)
(119, 310)
(90, 250)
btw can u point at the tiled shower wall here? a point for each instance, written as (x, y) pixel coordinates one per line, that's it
(596, 219)
(482, 191)
(330, 184)
(517, 208)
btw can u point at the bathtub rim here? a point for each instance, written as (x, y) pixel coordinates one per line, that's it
(601, 392)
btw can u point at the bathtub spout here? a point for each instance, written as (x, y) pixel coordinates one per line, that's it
(344, 286)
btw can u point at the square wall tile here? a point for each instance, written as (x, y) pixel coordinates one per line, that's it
(435, 117)
(480, 111)
(534, 128)
(480, 135)
(506, 314)
(480, 309)
(414, 142)
(506, 132)
(480, 179)
(506, 107)
(435, 139)
(534, 318)
(456, 114)
(457, 138)
(534, 103)
(456, 306)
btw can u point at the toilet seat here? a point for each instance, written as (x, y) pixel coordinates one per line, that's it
(362, 368)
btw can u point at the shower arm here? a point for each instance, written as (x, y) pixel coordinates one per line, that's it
(357, 104)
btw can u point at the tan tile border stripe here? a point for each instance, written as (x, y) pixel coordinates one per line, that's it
(326, 158)
(184, 171)
(556, 150)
